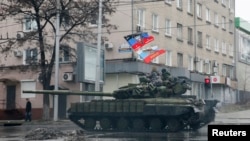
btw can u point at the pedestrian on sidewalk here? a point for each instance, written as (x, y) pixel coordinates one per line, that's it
(28, 110)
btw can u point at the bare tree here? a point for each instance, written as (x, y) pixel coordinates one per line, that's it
(75, 16)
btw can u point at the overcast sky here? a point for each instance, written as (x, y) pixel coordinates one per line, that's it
(242, 9)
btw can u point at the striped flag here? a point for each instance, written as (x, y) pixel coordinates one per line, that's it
(138, 40)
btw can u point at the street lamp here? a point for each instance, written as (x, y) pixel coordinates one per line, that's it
(57, 59)
(97, 78)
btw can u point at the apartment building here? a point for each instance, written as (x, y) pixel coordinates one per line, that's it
(198, 37)
(242, 41)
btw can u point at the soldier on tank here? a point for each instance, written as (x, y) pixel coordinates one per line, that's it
(155, 77)
(165, 75)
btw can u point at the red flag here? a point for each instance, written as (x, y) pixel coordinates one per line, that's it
(153, 55)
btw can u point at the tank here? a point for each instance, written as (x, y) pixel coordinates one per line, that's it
(157, 103)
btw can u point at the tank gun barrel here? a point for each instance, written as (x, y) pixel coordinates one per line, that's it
(68, 92)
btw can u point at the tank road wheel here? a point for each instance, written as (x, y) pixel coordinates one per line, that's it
(105, 123)
(156, 124)
(210, 116)
(174, 125)
(195, 126)
(138, 124)
(122, 124)
(90, 123)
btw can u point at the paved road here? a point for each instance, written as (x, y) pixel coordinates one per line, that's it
(240, 117)
(15, 133)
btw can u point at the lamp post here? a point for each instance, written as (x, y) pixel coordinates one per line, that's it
(57, 59)
(97, 77)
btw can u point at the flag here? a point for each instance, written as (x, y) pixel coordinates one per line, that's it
(138, 40)
(153, 55)
(149, 54)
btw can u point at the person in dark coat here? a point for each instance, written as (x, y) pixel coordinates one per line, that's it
(28, 110)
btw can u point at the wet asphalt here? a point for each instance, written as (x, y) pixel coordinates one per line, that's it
(17, 133)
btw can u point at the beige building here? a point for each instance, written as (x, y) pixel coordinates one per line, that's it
(198, 44)
(198, 37)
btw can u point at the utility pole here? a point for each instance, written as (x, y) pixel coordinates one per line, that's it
(132, 24)
(132, 16)
(97, 77)
(57, 59)
(195, 45)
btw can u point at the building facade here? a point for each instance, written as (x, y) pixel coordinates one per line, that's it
(242, 41)
(198, 37)
(198, 44)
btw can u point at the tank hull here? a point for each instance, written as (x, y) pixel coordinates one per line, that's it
(154, 114)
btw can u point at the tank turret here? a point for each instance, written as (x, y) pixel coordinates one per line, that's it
(154, 85)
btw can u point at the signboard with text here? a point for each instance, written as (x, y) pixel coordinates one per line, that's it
(86, 63)
(215, 79)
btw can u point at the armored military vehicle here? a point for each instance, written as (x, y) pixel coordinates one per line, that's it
(157, 103)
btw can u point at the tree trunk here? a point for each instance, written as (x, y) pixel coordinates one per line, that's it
(46, 107)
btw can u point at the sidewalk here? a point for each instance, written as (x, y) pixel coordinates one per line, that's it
(48, 122)
(11, 122)
(242, 117)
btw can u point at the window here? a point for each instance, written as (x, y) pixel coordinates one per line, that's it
(65, 20)
(190, 6)
(216, 69)
(190, 35)
(223, 2)
(155, 23)
(227, 70)
(155, 60)
(223, 22)
(244, 49)
(179, 60)
(199, 9)
(168, 58)
(200, 65)
(141, 17)
(223, 48)
(168, 1)
(179, 4)
(179, 31)
(216, 45)
(216, 19)
(30, 56)
(230, 4)
(64, 54)
(199, 39)
(207, 66)
(168, 27)
(28, 85)
(208, 42)
(29, 24)
(190, 63)
(94, 20)
(224, 70)
(208, 15)
(231, 72)
(231, 50)
(231, 26)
